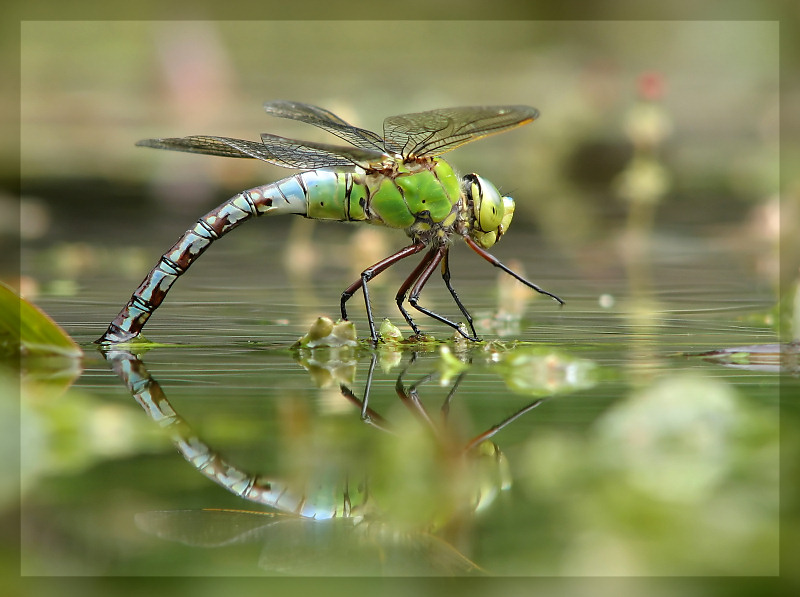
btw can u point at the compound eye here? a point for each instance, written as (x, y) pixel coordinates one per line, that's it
(488, 205)
(491, 215)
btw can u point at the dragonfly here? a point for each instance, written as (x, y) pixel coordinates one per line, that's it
(396, 180)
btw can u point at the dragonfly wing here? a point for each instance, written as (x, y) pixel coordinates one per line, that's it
(287, 153)
(222, 146)
(325, 120)
(207, 528)
(337, 547)
(434, 132)
(308, 155)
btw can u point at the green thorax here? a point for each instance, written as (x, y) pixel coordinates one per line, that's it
(415, 196)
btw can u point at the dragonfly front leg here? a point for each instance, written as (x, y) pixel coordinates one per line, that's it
(370, 273)
(497, 263)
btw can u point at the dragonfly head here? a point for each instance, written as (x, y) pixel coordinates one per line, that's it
(491, 212)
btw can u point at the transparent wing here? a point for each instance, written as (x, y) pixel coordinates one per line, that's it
(306, 154)
(280, 151)
(327, 121)
(434, 132)
(229, 148)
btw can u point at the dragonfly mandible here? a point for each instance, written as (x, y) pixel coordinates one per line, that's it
(396, 181)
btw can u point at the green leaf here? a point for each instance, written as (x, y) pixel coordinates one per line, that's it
(26, 330)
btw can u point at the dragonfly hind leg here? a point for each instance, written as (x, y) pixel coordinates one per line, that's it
(370, 273)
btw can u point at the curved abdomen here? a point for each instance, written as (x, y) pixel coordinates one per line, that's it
(289, 196)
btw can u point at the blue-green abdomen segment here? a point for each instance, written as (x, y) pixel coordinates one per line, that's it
(327, 192)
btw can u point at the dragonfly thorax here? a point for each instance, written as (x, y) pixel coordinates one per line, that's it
(490, 214)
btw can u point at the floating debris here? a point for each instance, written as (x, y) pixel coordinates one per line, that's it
(757, 357)
(324, 332)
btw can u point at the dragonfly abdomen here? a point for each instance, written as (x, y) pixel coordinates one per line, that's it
(283, 197)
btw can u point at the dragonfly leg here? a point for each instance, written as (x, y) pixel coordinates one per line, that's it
(446, 278)
(446, 404)
(413, 298)
(492, 431)
(370, 273)
(368, 387)
(410, 396)
(403, 290)
(496, 262)
(369, 416)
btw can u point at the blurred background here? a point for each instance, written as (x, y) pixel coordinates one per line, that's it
(671, 128)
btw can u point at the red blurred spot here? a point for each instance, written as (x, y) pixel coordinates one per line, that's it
(651, 86)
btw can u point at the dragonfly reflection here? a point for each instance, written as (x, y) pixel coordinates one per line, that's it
(346, 525)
